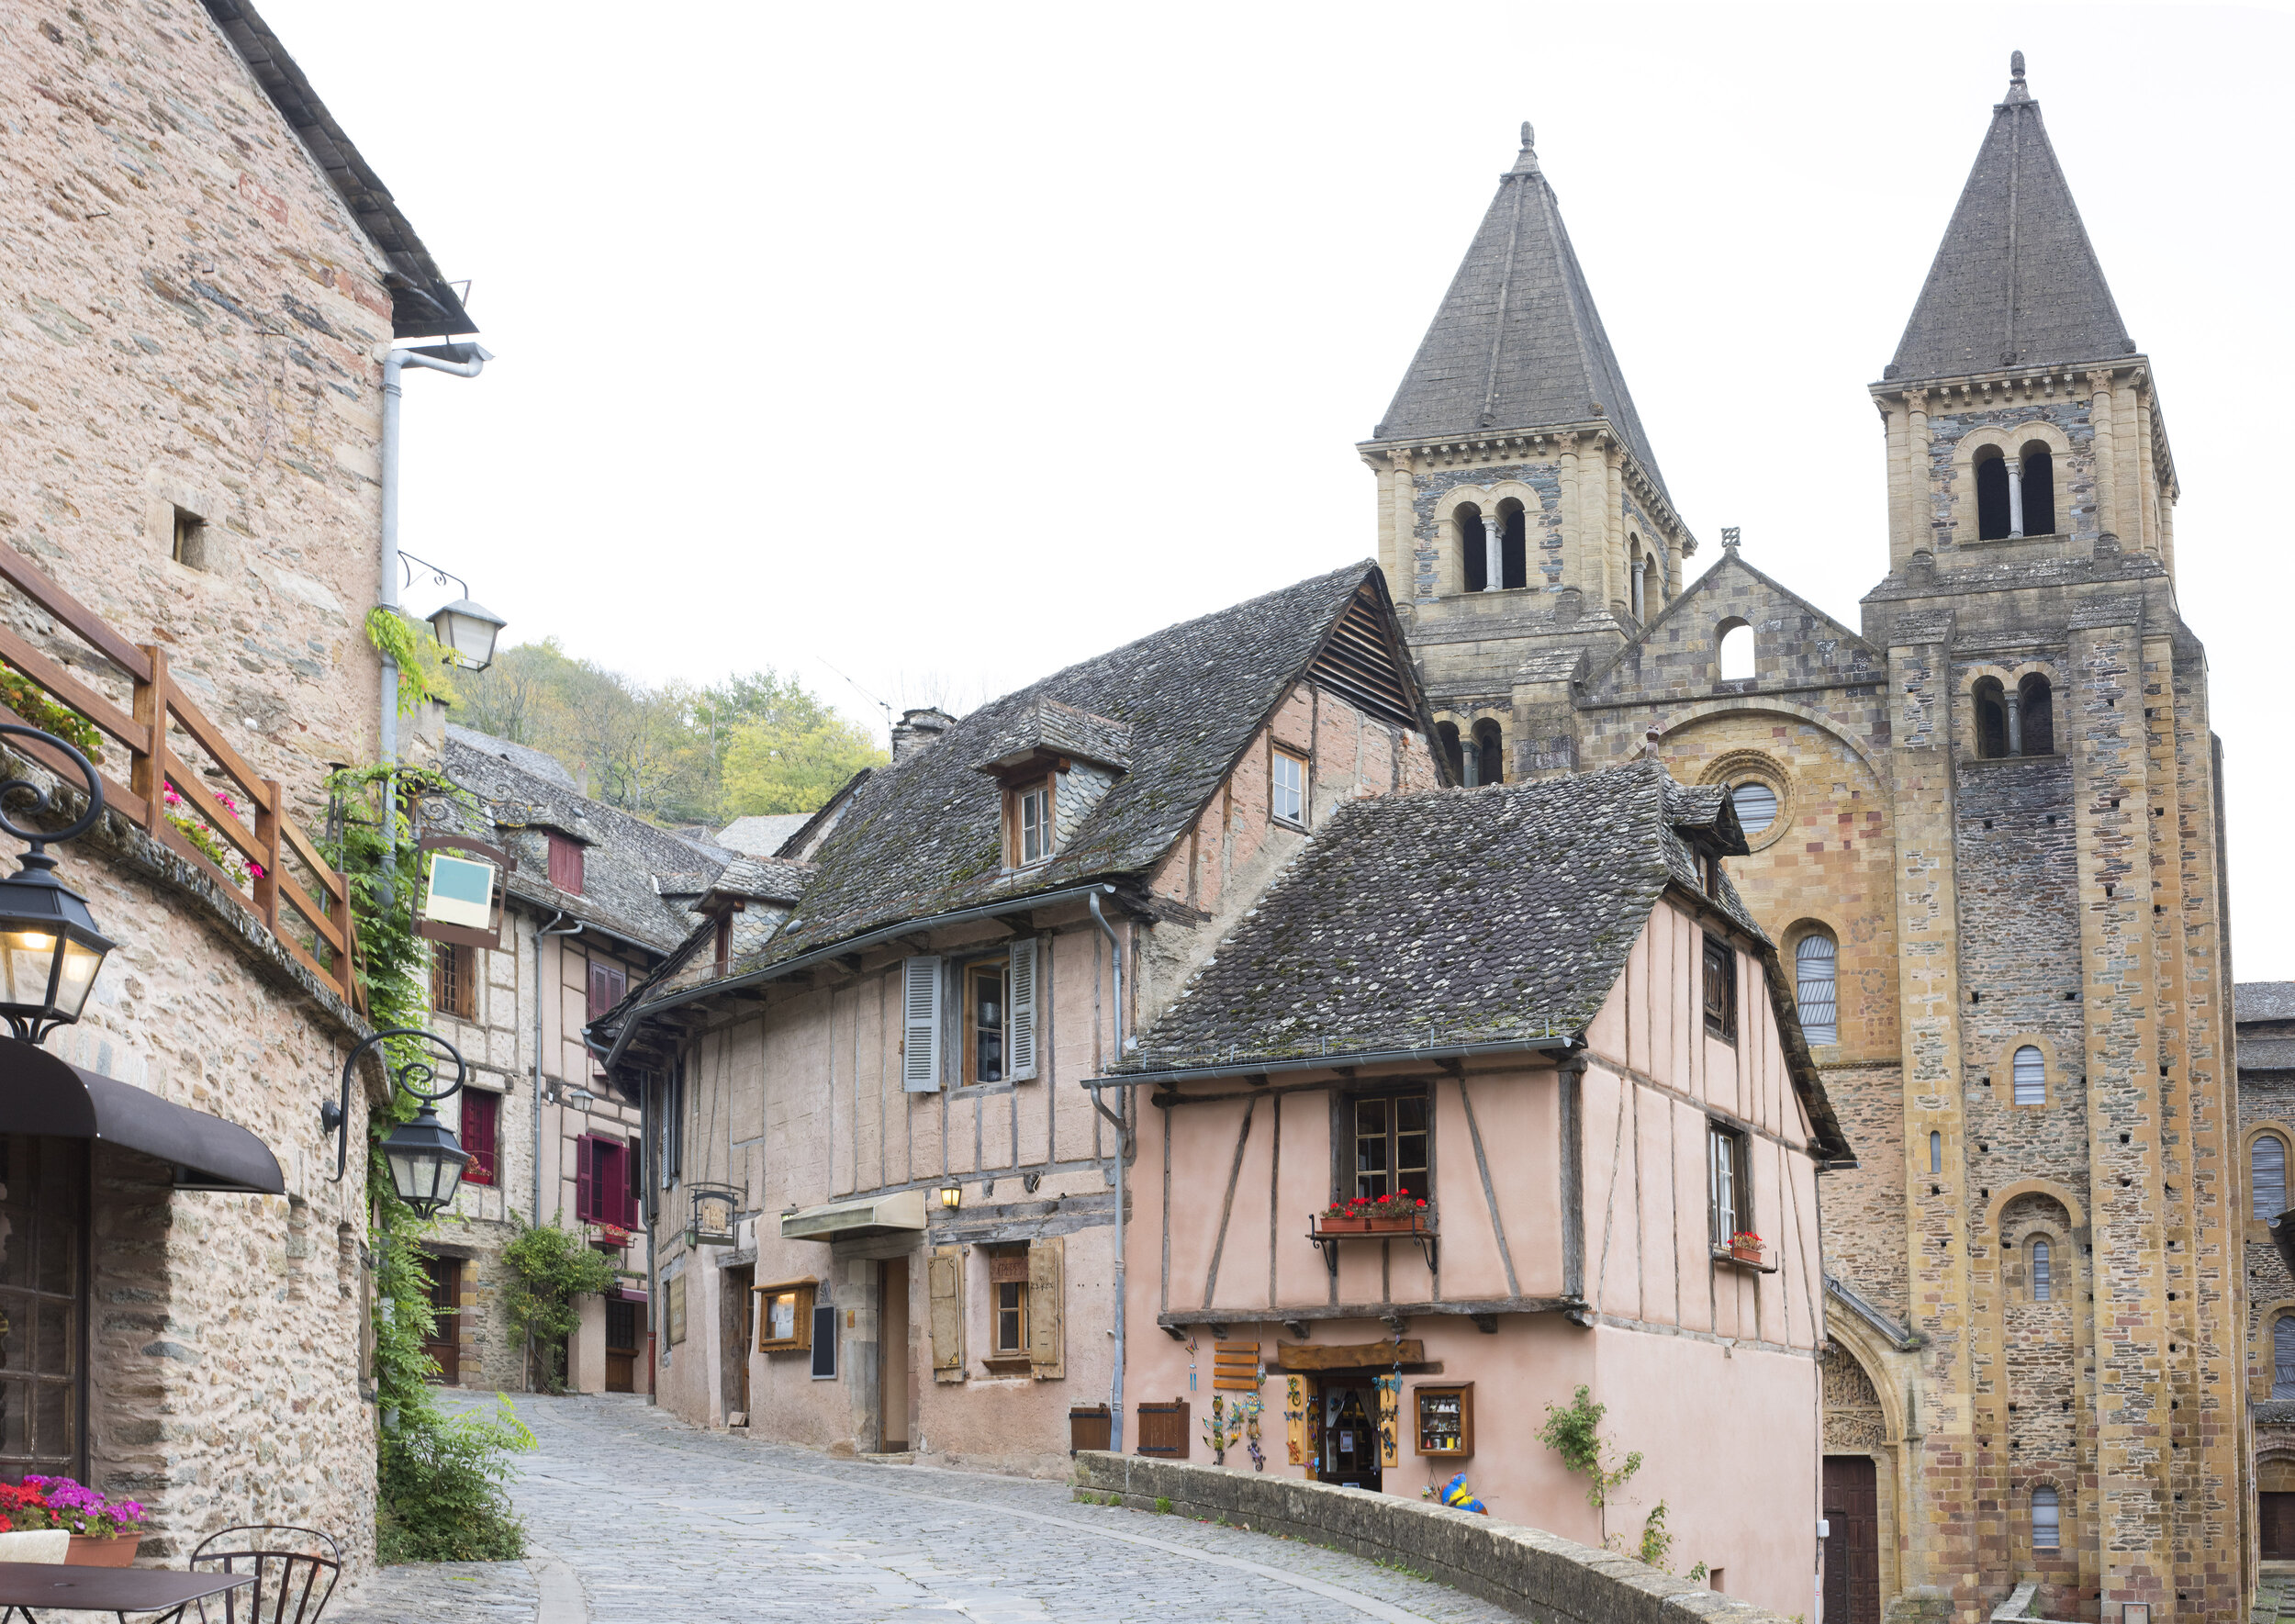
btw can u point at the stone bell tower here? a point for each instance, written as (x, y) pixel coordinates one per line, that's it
(2072, 1286)
(1521, 513)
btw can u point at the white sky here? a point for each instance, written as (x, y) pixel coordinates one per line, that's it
(947, 345)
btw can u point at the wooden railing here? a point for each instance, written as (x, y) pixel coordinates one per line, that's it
(319, 932)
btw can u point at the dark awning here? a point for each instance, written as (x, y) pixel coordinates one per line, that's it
(40, 1093)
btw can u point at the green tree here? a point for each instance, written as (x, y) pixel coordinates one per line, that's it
(550, 1268)
(793, 765)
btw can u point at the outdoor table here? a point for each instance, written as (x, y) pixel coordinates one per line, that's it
(57, 1588)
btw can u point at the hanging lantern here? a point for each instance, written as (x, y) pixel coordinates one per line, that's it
(49, 947)
(713, 1209)
(426, 1162)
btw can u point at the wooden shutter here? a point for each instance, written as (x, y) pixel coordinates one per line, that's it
(633, 1183)
(566, 863)
(608, 982)
(1047, 1335)
(1023, 1050)
(944, 1273)
(481, 1135)
(920, 1025)
(585, 1179)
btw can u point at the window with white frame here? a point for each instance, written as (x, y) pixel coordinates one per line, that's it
(1288, 792)
(1032, 813)
(2030, 1076)
(1729, 1185)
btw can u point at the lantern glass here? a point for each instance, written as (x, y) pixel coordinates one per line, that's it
(951, 1195)
(469, 629)
(426, 1162)
(78, 979)
(49, 952)
(31, 958)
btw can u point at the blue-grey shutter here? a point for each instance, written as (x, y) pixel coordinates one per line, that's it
(2043, 1286)
(2031, 1076)
(2266, 1162)
(920, 1025)
(1022, 1053)
(2283, 1357)
(1756, 805)
(1814, 962)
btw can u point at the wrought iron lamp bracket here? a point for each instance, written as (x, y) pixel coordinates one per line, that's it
(407, 1077)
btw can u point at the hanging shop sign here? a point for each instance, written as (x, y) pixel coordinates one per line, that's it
(462, 900)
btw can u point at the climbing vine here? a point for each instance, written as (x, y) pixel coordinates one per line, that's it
(1574, 1433)
(424, 665)
(439, 1489)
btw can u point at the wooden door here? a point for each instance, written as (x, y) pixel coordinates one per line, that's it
(444, 1342)
(892, 1354)
(738, 1304)
(1853, 1545)
(1351, 1434)
(2277, 1519)
(621, 1340)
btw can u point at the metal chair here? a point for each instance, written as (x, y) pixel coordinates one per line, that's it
(289, 1565)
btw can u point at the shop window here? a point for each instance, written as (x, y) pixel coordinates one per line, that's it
(1992, 495)
(2039, 491)
(482, 1135)
(43, 1305)
(2048, 1520)
(2030, 1076)
(1720, 988)
(2283, 1357)
(2266, 1176)
(785, 1315)
(1390, 1145)
(566, 863)
(1992, 733)
(1814, 961)
(2039, 718)
(1729, 1188)
(1287, 787)
(673, 1292)
(454, 981)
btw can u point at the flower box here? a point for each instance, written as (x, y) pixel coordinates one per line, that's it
(119, 1551)
(1392, 1224)
(1746, 1254)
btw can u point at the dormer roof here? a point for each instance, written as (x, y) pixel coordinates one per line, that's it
(1048, 730)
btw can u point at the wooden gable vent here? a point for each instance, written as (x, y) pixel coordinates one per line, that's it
(1359, 661)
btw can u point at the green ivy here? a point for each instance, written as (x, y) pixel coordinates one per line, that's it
(424, 665)
(440, 1488)
(31, 701)
(549, 1268)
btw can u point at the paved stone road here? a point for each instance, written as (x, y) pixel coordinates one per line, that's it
(661, 1523)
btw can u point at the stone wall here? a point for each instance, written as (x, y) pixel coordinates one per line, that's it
(1536, 1574)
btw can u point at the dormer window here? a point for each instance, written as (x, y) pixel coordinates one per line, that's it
(1032, 822)
(566, 863)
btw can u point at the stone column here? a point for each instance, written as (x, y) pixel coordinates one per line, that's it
(2014, 699)
(1920, 501)
(1469, 758)
(1494, 552)
(2015, 466)
(1573, 530)
(2099, 423)
(1423, 581)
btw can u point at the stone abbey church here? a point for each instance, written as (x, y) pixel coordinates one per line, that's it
(1986, 832)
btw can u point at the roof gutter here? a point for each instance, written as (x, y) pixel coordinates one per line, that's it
(1241, 1067)
(773, 972)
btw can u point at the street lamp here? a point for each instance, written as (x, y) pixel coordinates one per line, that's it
(425, 1160)
(951, 1195)
(469, 629)
(49, 947)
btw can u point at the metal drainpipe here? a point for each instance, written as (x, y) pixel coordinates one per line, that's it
(1115, 1377)
(552, 929)
(474, 358)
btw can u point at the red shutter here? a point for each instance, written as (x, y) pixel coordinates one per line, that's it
(566, 863)
(586, 1180)
(481, 1134)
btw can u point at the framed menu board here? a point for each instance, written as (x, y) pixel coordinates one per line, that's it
(785, 1315)
(1445, 1420)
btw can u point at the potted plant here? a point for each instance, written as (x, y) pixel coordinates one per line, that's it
(1745, 1247)
(1373, 1214)
(105, 1533)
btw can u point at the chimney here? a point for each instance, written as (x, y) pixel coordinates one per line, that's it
(918, 730)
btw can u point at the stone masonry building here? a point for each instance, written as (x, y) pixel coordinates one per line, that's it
(1985, 828)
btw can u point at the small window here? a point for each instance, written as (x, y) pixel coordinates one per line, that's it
(1033, 823)
(1814, 961)
(1390, 1134)
(1729, 1186)
(609, 985)
(1936, 1152)
(1720, 988)
(986, 1027)
(2031, 1076)
(2267, 1178)
(1490, 754)
(566, 863)
(1992, 495)
(601, 1185)
(2048, 1520)
(1755, 805)
(482, 1135)
(2042, 1283)
(1737, 651)
(1474, 547)
(2283, 1357)
(1008, 1283)
(2039, 491)
(1288, 789)
(187, 544)
(454, 981)
(1453, 753)
(1992, 733)
(1513, 544)
(2039, 707)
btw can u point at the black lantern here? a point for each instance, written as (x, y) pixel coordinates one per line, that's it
(49, 947)
(425, 1160)
(713, 1209)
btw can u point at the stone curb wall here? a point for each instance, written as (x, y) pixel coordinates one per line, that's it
(1536, 1574)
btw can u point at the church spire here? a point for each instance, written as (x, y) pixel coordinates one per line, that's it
(1517, 344)
(2015, 283)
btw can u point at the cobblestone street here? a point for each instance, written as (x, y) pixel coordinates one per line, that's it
(636, 1518)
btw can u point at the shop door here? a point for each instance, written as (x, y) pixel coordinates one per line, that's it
(739, 1304)
(1351, 1433)
(893, 1353)
(2279, 1526)
(1853, 1543)
(622, 1341)
(444, 1342)
(43, 1307)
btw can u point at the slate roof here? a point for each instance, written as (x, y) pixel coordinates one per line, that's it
(2016, 282)
(1461, 916)
(1517, 342)
(631, 870)
(762, 836)
(760, 880)
(1059, 730)
(423, 303)
(924, 836)
(2267, 1054)
(2264, 1000)
(540, 764)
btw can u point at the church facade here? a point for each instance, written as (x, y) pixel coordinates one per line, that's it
(1986, 832)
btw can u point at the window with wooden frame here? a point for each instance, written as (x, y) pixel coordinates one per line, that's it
(1730, 1187)
(454, 981)
(608, 983)
(1446, 1420)
(1031, 823)
(187, 539)
(1720, 988)
(1008, 1310)
(1287, 787)
(785, 1315)
(996, 1014)
(481, 1136)
(566, 863)
(1388, 1142)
